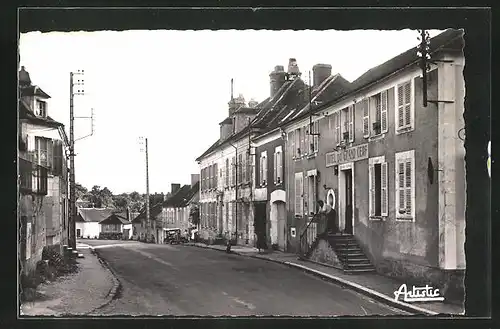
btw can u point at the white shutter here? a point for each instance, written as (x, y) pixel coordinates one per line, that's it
(408, 186)
(297, 143)
(407, 110)
(261, 170)
(280, 167)
(291, 138)
(337, 127)
(366, 118)
(298, 194)
(371, 183)
(351, 123)
(305, 195)
(316, 137)
(275, 168)
(401, 185)
(384, 184)
(385, 105)
(265, 168)
(400, 105)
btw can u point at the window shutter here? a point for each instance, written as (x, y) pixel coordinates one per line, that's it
(400, 107)
(316, 137)
(50, 154)
(247, 165)
(280, 167)
(265, 169)
(216, 173)
(298, 194)
(297, 142)
(291, 138)
(234, 169)
(408, 185)
(228, 167)
(371, 183)
(401, 185)
(407, 91)
(58, 158)
(351, 123)
(383, 114)
(305, 195)
(366, 118)
(337, 126)
(385, 201)
(261, 170)
(302, 141)
(275, 168)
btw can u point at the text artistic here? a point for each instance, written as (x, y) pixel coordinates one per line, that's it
(352, 154)
(418, 294)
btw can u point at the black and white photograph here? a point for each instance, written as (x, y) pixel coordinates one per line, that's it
(242, 172)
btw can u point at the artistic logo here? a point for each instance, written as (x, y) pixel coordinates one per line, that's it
(418, 294)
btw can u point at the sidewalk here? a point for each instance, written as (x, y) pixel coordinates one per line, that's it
(371, 284)
(75, 294)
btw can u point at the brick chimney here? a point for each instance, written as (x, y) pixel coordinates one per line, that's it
(194, 179)
(174, 188)
(24, 77)
(277, 79)
(293, 68)
(320, 73)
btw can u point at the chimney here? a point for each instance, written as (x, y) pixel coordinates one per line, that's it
(194, 179)
(320, 73)
(24, 77)
(277, 79)
(293, 68)
(174, 188)
(253, 103)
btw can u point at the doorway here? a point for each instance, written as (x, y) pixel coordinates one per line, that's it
(346, 196)
(260, 224)
(281, 227)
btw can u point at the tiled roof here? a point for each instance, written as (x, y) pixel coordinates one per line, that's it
(33, 90)
(27, 114)
(114, 219)
(94, 215)
(450, 39)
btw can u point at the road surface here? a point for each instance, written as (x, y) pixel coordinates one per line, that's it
(185, 280)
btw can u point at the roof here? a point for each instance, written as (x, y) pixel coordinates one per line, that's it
(114, 219)
(93, 215)
(34, 90)
(448, 40)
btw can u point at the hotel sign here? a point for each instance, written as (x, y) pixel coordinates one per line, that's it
(356, 153)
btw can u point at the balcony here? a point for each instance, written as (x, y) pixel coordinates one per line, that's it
(33, 178)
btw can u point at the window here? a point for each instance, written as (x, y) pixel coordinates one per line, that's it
(263, 168)
(378, 198)
(41, 108)
(215, 175)
(313, 139)
(405, 185)
(227, 172)
(43, 152)
(248, 168)
(240, 162)
(405, 107)
(233, 171)
(278, 166)
(299, 194)
(347, 124)
(336, 120)
(312, 187)
(297, 150)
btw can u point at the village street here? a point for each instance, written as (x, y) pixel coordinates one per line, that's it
(185, 280)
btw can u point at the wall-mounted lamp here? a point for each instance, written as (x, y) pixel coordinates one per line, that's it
(336, 170)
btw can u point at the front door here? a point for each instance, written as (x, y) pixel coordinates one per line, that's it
(348, 201)
(281, 213)
(260, 224)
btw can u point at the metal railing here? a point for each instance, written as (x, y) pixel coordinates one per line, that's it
(315, 227)
(33, 177)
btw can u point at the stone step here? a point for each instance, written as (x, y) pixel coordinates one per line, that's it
(347, 250)
(358, 266)
(362, 260)
(359, 271)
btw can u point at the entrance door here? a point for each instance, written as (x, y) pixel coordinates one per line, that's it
(348, 201)
(260, 224)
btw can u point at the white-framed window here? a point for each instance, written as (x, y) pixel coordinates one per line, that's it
(312, 191)
(278, 165)
(43, 152)
(313, 139)
(405, 185)
(375, 117)
(336, 120)
(298, 144)
(378, 183)
(347, 124)
(41, 108)
(405, 107)
(299, 198)
(263, 168)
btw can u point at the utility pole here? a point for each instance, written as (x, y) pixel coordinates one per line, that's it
(72, 191)
(148, 222)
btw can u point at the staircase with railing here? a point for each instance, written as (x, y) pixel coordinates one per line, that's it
(315, 228)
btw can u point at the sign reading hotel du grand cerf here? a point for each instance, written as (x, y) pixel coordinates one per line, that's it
(356, 153)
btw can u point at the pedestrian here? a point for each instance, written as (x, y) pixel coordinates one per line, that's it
(331, 216)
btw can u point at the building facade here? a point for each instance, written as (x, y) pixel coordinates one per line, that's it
(393, 169)
(43, 174)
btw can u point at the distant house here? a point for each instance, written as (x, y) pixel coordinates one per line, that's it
(87, 221)
(115, 226)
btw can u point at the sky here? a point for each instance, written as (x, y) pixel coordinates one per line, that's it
(172, 87)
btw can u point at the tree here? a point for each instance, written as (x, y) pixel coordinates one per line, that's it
(122, 201)
(80, 191)
(101, 198)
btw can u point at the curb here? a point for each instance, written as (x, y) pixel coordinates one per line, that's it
(113, 292)
(354, 286)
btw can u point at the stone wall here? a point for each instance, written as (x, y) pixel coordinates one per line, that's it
(33, 229)
(323, 253)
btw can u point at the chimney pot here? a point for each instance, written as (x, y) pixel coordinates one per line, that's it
(293, 68)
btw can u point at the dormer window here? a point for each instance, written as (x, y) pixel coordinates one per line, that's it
(41, 108)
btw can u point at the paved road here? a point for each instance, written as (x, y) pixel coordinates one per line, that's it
(184, 280)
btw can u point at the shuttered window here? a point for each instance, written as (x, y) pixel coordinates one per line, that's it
(383, 110)
(298, 194)
(365, 105)
(216, 172)
(227, 172)
(404, 105)
(316, 137)
(337, 127)
(248, 168)
(305, 195)
(297, 150)
(278, 166)
(264, 170)
(239, 165)
(233, 171)
(405, 185)
(378, 195)
(58, 158)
